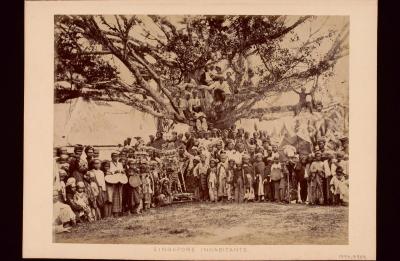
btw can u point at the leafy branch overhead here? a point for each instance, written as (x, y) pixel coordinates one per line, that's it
(161, 52)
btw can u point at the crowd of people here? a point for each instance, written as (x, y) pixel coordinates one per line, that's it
(230, 166)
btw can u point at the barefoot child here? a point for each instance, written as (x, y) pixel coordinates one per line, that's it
(99, 179)
(82, 200)
(221, 176)
(109, 190)
(96, 190)
(212, 180)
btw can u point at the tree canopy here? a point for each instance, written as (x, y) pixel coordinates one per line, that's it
(162, 52)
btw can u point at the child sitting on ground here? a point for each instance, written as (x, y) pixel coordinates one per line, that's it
(63, 216)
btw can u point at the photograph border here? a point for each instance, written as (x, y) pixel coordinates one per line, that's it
(38, 132)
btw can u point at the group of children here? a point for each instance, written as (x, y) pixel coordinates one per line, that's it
(213, 165)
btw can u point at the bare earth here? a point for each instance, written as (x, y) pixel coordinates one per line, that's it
(206, 223)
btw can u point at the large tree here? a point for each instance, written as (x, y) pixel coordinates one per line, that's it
(160, 53)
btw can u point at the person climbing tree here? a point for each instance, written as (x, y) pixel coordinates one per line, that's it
(303, 103)
(306, 99)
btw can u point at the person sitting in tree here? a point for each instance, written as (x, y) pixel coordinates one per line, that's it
(303, 103)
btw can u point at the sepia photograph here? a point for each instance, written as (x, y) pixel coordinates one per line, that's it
(201, 129)
(209, 130)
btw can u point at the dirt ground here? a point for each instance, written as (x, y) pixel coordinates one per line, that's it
(207, 223)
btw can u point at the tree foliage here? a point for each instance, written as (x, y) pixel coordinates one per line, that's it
(161, 53)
